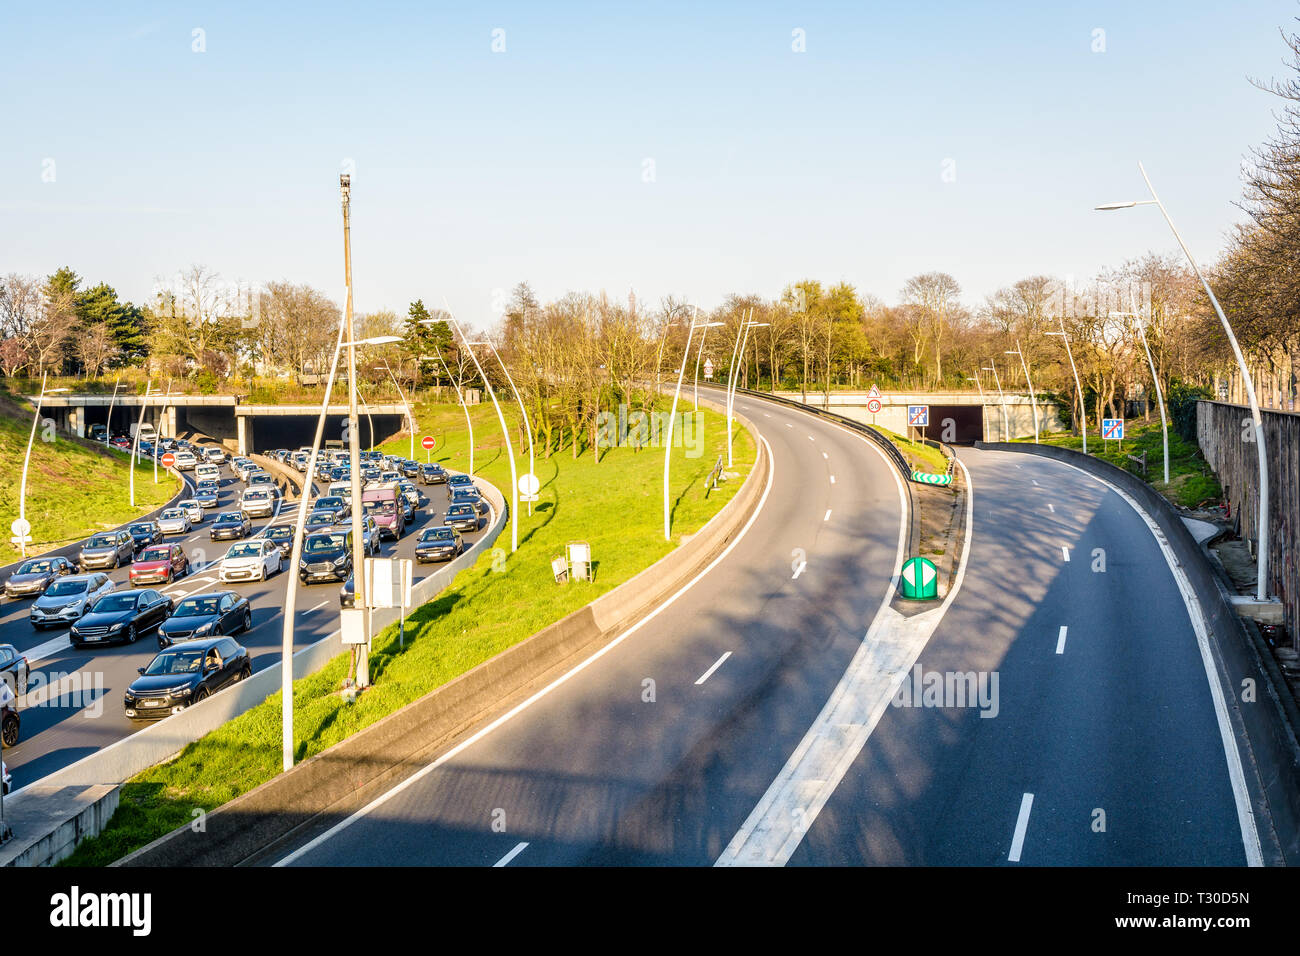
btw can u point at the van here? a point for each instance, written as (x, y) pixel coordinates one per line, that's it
(207, 472)
(382, 504)
(342, 489)
(147, 432)
(258, 502)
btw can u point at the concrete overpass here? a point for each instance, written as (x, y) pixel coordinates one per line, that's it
(241, 427)
(955, 417)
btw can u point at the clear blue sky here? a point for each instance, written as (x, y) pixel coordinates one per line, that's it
(476, 169)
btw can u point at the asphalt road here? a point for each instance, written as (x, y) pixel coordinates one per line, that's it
(610, 768)
(1110, 727)
(66, 727)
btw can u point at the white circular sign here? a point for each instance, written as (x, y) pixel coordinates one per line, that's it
(528, 484)
(873, 405)
(21, 527)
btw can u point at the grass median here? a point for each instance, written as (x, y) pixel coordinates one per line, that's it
(614, 504)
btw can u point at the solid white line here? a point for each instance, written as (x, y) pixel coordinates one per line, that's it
(1060, 640)
(767, 415)
(709, 673)
(828, 515)
(1022, 824)
(789, 425)
(505, 860)
(1034, 480)
(1051, 507)
(810, 438)
(1065, 552)
(316, 608)
(48, 649)
(479, 735)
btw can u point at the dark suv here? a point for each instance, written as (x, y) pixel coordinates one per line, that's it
(433, 474)
(186, 674)
(326, 556)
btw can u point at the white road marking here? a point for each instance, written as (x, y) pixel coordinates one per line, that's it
(1051, 507)
(316, 608)
(799, 570)
(505, 860)
(789, 425)
(1060, 640)
(474, 738)
(1022, 824)
(1034, 480)
(826, 456)
(810, 438)
(832, 479)
(709, 673)
(48, 649)
(767, 415)
(828, 515)
(1065, 552)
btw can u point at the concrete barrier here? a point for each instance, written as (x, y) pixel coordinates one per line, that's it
(351, 772)
(289, 480)
(1274, 752)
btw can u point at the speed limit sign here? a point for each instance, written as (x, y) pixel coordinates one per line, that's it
(873, 405)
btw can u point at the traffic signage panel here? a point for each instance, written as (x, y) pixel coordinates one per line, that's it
(1112, 429)
(874, 393)
(168, 460)
(873, 405)
(918, 416)
(920, 579)
(528, 484)
(21, 527)
(427, 442)
(925, 478)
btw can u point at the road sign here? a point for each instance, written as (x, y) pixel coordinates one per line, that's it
(427, 442)
(528, 484)
(168, 460)
(925, 478)
(21, 527)
(873, 405)
(1112, 429)
(920, 579)
(708, 368)
(874, 393)
(918, 416)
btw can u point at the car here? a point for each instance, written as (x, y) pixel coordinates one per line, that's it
(110, 549)
(408, 510)
(382, 504)
(14, 671)
(122, 442)
(433, 474)
(282, 535)
(326, 556)
(260, 478)
(242, 468)
(457, 481)
(66, 599)
(121, 616)
(185, 460)
(35, 575)
(179, 677)
(207, 495)
(176, 521)
(97, 433)
(215, 455)
(231, 524)
(370, 534)
(336, 503)
(320, 519)
(254, 560)
(370, 473)
(438, 544)
(298, 460)
(159, 564)
(193, 509)
(348, 593)
(207, 471)
(258, 502)
(145, 533)
(470, 496)
(462, 517)
(410, 492)
(206, 615)
(409, 469)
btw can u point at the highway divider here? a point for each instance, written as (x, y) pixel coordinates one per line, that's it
(343, 778)
(1263, 719)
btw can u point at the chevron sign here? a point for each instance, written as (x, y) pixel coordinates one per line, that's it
(925, 478)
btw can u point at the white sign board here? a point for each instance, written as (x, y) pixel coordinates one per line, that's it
(388, 582)
(21, 527)
(352, 625)
(528, 484)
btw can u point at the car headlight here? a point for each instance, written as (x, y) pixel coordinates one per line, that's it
(340, 560)
(206, 628)
(115, 627)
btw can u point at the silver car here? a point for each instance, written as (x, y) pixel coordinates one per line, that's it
(67, 599)
(109, 549)
(175, 521)
(193, 510)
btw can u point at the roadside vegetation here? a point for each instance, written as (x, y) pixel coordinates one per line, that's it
(74, 488)
(613, 503)
(920, 456)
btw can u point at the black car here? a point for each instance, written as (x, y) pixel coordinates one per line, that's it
(34, 576)
(282, 535)
(186, 674)
(409, 469)
(438, 544)
(432, 474)
(145, 533)
(468, 495)
(206, 615)
(462, 517)
(326, 556)
(231, 524)
(121, 616)
(335, 503)
(347, 594)
(458, 481)
(321, 518)
(14, 672)
(207, 494)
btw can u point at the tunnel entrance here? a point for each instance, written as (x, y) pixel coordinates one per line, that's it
(956, 424)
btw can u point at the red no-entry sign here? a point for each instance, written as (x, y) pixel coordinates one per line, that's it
(427, 442)
(168, 460)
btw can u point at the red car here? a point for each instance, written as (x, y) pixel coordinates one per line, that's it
(122, 442)
(159, 563)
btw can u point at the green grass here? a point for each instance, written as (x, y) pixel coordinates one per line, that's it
(614, 505)
(1190, 479)
(74, 488)
(920, 456)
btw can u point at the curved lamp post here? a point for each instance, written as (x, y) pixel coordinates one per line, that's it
(1006, 427)
(460, 397)
(1083, 409)
(1160, 397)
(739, 350)
(22, 491)
(1032, 399)
(410, 418)
(672, 415)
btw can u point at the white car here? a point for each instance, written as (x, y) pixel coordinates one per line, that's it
(193, 510)
(175, 521)
(185, 460)
(214, 455)
(410, 493)
(254, 560)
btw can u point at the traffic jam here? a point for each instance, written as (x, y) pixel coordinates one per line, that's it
(136, 623)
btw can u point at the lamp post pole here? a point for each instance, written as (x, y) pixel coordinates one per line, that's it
(1261, 581)
(359, 589)
(135, 442)
(672, 414)
(460, 397)
(1006, 427)
(1151, 362)
(983, 410)
(732, 380)
(695, 402)
(1083, 408)
(1032, 399)
(410, 418)
(528, 428)
(31, 439)
(108, 428)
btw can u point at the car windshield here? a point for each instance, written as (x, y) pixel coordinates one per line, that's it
(279, 532)
(189, 503)
(332, 502)
(379, 507)
(197, 607)
(36, 567)
(460, 510)
(155, 554)
(232, 517)
(66, 588)
(246, 550)
(256, 495)
(324, 542)
(321, 517)
(142, 529)
(438, 534)
(175, 662)
(174, 513)
(114, 602)
(102, 541)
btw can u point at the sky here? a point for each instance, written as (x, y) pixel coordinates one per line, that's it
(668, 148)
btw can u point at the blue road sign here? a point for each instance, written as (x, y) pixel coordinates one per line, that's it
(918, 416)
(1112, 429)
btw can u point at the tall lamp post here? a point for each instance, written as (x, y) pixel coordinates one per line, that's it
(695, 401)
(108, 428)
(1006, 427)
(22, 489)
(1033, 400)
(672, 414)
(158, 432)
(460, 397)
(410, 418)
(732, 379)
(1083, 409)
(983, 409)
(135, 442)
(528, 428)
(1160, 397)
(1261, 583)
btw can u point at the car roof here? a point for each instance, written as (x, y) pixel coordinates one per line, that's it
(200, 643)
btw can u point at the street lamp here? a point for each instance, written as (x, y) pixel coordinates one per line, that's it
(135, 441)
(410, 418)
(22, 491)
(1083, 408)
(1032, 399)
(108, 428)
(699, 355)
(672, 414)
(742, 336)
(1261, 585)
(1160, 398)
(1006, 428)
(157, 433)
(527, 425)
(983, 409)
(459, 397)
